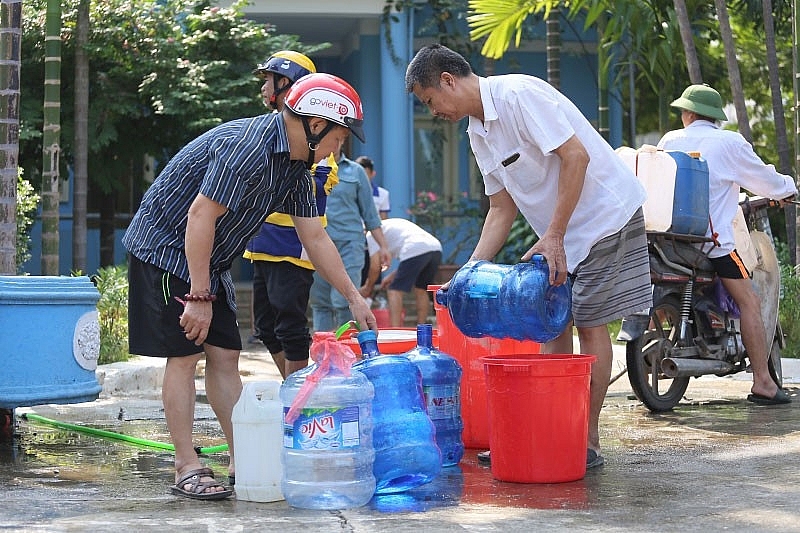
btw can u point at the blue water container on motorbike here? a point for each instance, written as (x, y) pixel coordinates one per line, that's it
(508, 301)
(690, 203)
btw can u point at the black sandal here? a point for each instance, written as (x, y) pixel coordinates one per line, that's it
(198, 488)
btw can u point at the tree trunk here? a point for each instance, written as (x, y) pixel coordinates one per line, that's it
(10, 47)
(553, 48)
(685, 26)
(781, 135)
(796, 87)
(733, 70)
(602, 83)
(108, 212)
(51, 133)
(80, 163)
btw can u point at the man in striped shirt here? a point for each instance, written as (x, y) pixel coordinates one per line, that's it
(196, 219)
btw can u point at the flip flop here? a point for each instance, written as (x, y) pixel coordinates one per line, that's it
(593, 459)
(780, 398)
(198, 488)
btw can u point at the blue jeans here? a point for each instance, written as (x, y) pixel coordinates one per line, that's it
(329, 308)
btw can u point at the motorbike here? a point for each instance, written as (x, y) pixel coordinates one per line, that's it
(692, 329)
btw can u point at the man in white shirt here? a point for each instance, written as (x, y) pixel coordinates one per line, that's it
(419, 254)
(732, 164)
(540, 156)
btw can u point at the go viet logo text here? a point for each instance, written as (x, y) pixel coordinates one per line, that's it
(340, 107)
(317, 427)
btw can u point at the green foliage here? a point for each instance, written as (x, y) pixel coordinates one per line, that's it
(789, 311)
(456, 222)
(27, 201)
(112, 283)
(519, 240)
(161, 72)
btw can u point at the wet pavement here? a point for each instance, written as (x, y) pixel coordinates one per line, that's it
(715, 463)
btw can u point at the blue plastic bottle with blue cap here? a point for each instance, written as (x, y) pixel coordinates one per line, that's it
(508, 301)
(406, 455)
(441, 385)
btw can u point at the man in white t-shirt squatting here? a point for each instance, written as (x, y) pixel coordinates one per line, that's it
(540, 156)
(419, 254)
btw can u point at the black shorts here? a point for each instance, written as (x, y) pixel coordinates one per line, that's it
(416, 272)
(731, 266)
(154, 315)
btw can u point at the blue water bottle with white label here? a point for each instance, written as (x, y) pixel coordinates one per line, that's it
(508, 301)
(327, 423)
(406, 455)
(441, 385)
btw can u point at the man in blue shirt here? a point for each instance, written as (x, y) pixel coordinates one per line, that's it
(350, 209)
(196, 219)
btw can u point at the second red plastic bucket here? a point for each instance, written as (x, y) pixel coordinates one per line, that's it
(538, 416)
(468, 351)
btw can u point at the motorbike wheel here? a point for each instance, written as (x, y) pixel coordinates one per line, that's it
(644, 355)
(774, 362)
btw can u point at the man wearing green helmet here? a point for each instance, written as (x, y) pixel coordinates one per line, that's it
(732, 164)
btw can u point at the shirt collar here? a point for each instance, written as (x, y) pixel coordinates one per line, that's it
(703, 124)
(489, 110)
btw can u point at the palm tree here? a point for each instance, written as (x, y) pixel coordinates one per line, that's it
(10, 46)
(51, 130)
(80, 162)
(781, 134)
(734, 76)
(687, 38)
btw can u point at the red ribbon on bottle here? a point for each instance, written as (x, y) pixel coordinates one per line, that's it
(327, 353)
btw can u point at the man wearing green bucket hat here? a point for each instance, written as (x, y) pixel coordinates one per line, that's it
(732, 165)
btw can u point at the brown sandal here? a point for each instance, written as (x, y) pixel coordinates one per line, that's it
(198, 488)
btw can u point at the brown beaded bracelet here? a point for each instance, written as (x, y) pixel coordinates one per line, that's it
(202, 297)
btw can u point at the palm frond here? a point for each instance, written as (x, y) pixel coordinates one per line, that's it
(500, 20)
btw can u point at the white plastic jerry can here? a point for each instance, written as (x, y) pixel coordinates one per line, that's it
(257, 441)
(656, 171)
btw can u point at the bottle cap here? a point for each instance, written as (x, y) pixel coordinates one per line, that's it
(367, 335)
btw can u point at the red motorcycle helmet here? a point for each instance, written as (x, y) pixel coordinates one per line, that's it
(329, 97)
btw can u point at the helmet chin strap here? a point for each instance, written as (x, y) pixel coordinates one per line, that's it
(314, 140)
(273, 100)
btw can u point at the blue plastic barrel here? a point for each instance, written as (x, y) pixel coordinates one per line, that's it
(690, 204)
(49, 340)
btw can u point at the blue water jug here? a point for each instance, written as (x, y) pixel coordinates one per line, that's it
(441, 385)
(406, 455)
(690, 203)
(508, 301)
(327, 444)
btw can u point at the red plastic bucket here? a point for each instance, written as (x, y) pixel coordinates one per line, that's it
(468, 351)
(384, 320)
(538, 416)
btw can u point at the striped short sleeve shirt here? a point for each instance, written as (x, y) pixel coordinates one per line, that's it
(243, 165)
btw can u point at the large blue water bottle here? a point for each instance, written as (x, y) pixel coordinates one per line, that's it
(508, 301)
(327, 445)
(441, 384)
(406, 455)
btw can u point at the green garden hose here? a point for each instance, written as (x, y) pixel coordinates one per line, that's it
(119, 436)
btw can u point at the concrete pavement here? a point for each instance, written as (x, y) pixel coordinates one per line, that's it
(715, 463)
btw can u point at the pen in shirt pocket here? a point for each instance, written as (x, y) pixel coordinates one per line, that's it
(510, 159)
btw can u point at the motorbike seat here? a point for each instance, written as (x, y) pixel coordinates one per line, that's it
(687, 251)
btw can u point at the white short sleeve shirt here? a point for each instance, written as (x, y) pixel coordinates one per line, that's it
(525, 120)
